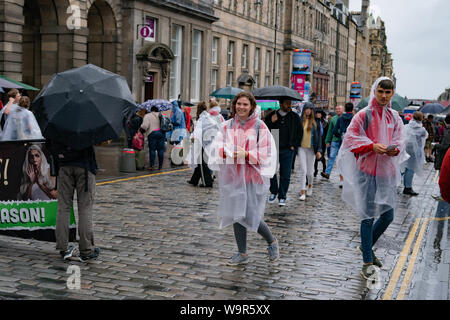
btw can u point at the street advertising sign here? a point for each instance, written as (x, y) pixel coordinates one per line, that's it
(302, 61)
(148, 30)
(28, 195)
(301, 85)
(355, 93)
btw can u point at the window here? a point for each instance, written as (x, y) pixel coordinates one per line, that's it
(229, 78)
(266, 81)
(175, 70)
(214, 80)
(256, 84)
(244, 57)
(277, 81)
(257, 59)
(215, 47)
(267, 61)
(230, 59)
(278, 63)
(196, 62)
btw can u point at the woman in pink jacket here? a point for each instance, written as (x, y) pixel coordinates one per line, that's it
(245, 156)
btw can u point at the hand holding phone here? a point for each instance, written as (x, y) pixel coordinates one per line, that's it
(391, 147)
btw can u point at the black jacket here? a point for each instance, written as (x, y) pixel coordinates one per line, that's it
(441, 149)
(316, 136)
(291, 137)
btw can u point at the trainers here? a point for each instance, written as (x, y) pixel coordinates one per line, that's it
(368, 271)
(281, 202)
(238, 259)
(302, 197)
(325, 175)
(272, 198)
(309, 191)
(274, 253)
(68, 253)
(95, 253)
(376, 261)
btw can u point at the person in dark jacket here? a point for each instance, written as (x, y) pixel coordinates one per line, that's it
(343, 121)
(288, 136)
(443, 145)
(320, 118)
(310, 148)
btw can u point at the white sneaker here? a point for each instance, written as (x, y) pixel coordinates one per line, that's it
(309, 191)
(303, 197)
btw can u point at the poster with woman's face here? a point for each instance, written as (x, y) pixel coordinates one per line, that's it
(28, 195)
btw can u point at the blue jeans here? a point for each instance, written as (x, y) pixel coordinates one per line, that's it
(334, 149)
(408, 178)
(370, 233)
(286, 156)
(156, 144)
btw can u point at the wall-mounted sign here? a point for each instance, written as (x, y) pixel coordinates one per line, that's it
(148, 30)
(149, 79)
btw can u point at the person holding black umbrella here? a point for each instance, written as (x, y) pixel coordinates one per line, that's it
(288, 124)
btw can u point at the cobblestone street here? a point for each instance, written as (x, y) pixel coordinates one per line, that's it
(159, 239)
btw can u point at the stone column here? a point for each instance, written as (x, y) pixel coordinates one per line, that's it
(11, 29)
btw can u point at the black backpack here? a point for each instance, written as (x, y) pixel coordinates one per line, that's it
(165, 124)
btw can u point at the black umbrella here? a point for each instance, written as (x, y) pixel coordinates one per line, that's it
(277, 93)
(446, 110)
(84, 106)
(185, 103)
(432, 108)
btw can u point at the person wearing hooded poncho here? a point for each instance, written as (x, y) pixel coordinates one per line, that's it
(369, 160)
(245, 156)
(417, 135)
(205, 130)
(20, 123)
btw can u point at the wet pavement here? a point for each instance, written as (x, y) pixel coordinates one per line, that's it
(159, 239)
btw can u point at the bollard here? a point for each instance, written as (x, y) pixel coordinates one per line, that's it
(127, 161)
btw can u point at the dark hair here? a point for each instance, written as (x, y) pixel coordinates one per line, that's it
(24, 102)
(154, 108)
(13, 93)
(430, 116)
(348, 107)
(418, 116)
(386, 84)
(200, 108)
(247, 95)
(447, 119)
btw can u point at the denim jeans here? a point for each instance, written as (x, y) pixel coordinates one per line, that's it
(408, 178)
(156, 144)
(334, 149)
(286, 157)
(370, 233)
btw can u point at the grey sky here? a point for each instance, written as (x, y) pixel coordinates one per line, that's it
(418, 36)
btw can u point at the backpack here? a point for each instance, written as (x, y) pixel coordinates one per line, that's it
(164, 123)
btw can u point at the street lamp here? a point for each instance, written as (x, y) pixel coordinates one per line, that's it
(275, 40)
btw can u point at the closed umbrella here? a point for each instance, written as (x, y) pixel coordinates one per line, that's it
(432, 108)
(226, 93)
(277, 93)
(84, 106)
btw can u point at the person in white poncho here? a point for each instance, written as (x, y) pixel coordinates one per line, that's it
(417, 135)
(369, 160)
(245, 155)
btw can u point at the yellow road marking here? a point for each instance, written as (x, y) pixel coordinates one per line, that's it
(412, 261)
(400, 263)
(139, 177)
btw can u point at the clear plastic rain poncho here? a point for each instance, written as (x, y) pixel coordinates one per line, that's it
(415, 144)
(20, 125)
(243, 183)
(371, 179)
(215, 113)
(205, 130)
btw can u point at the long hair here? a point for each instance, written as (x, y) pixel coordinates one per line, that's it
(247, 95)
(200, 108)
(311, 118)
(44, 177)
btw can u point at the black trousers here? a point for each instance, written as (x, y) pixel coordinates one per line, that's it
(202, 172)
(324, 164)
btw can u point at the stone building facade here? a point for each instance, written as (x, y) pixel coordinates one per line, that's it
(381, 60)
(196, 46)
